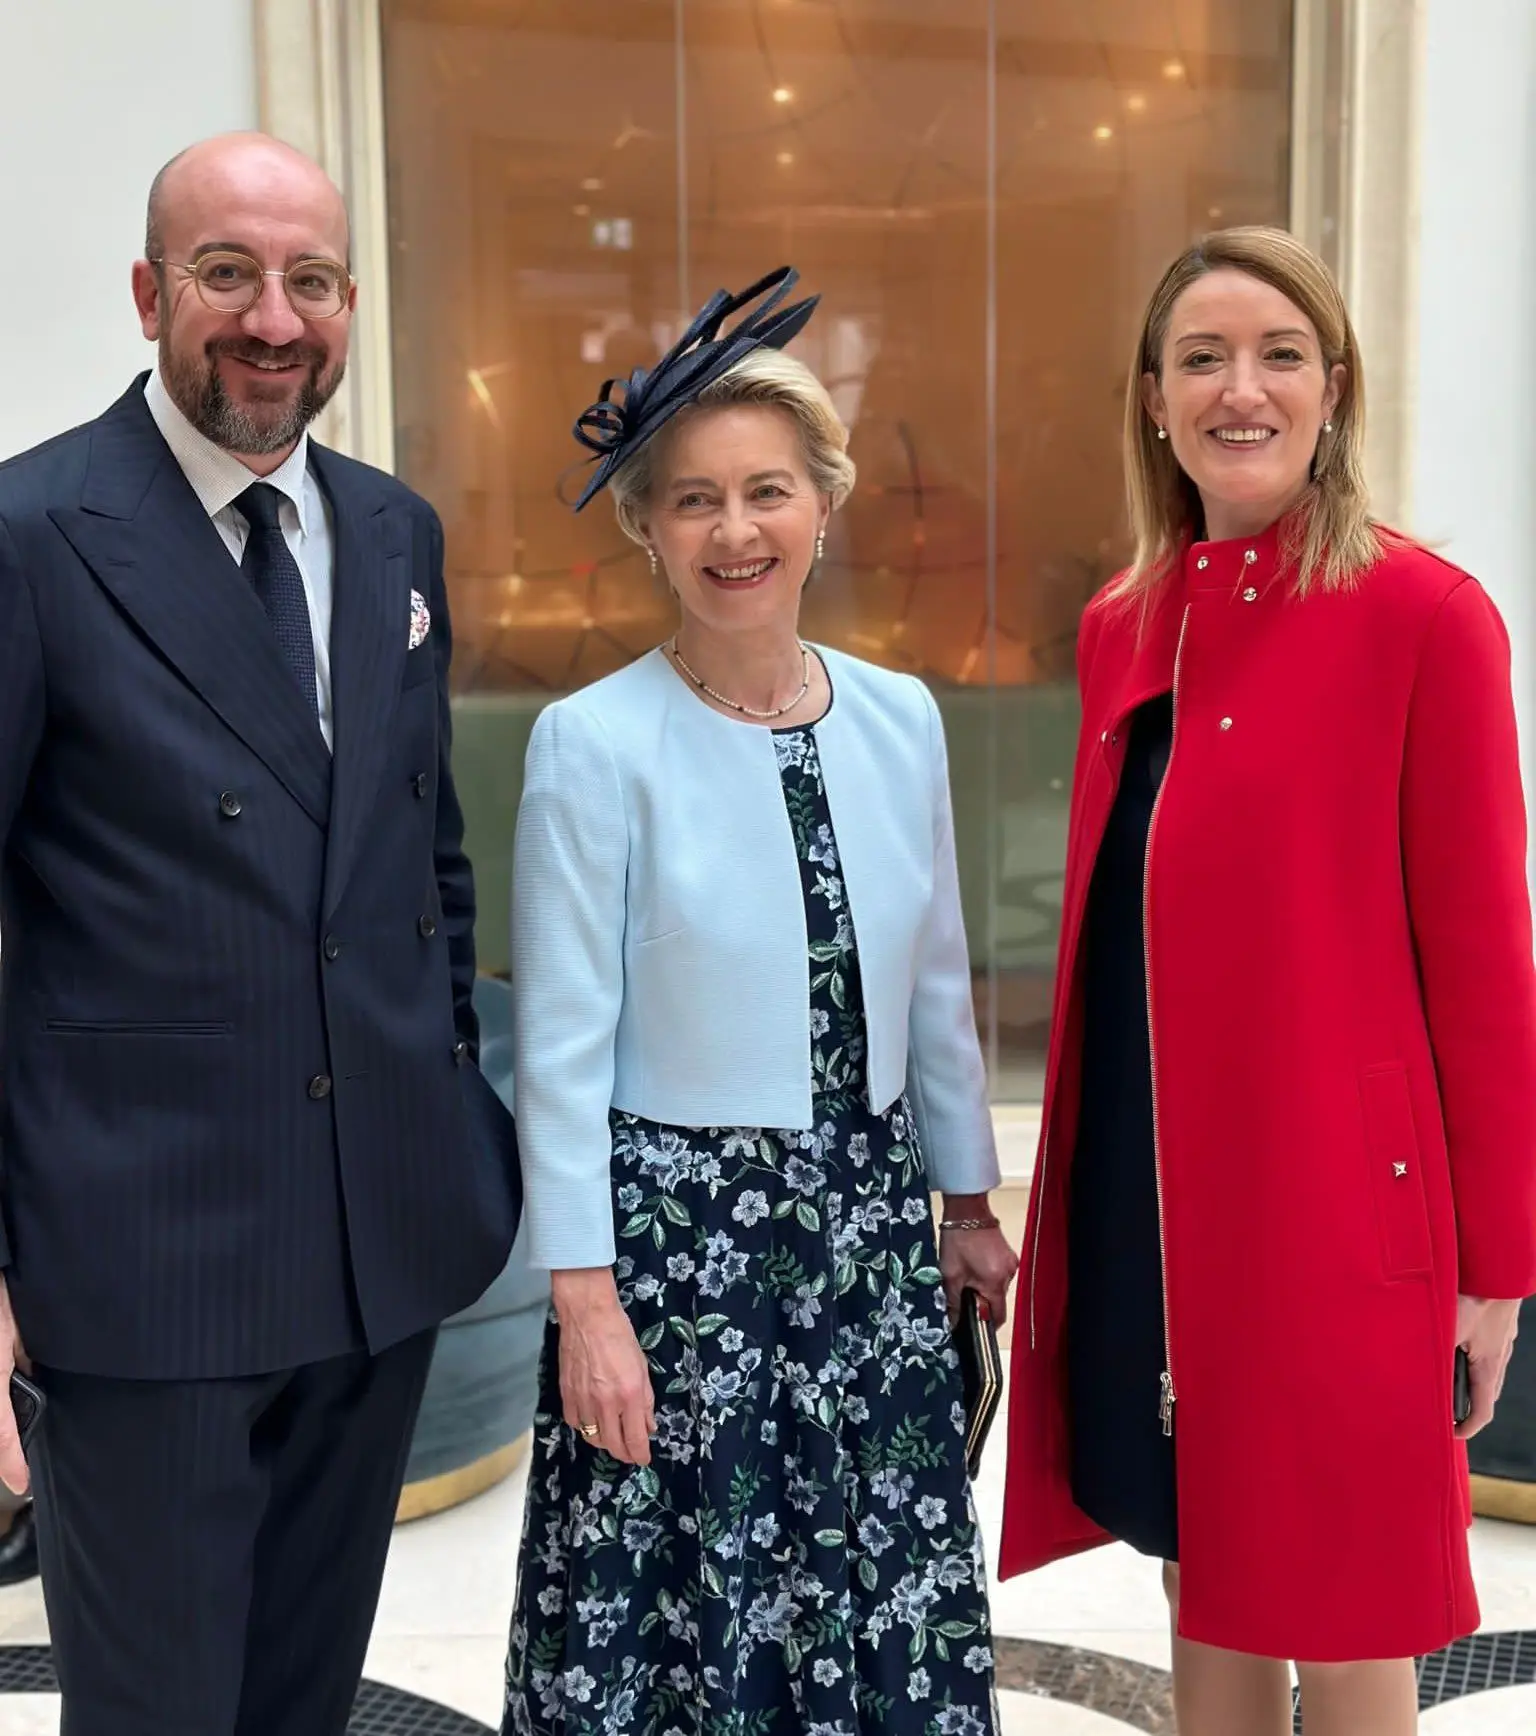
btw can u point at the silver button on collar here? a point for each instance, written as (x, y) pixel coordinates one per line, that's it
(1226, 723)
(1250, 556)
(1250, 595)
(1203, 562)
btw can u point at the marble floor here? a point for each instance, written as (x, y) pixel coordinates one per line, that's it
(441, 1624)
(440, 1633)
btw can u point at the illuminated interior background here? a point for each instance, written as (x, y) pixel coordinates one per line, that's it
(982, 191)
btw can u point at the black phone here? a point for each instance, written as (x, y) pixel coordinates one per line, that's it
(27, 1405)
(1461, 1388)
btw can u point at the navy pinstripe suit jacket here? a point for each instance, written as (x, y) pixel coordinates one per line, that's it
(242, 1127)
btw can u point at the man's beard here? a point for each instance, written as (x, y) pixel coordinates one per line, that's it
(199, 394)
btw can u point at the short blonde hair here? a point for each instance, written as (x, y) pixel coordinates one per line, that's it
(762, 376)
(1330, 536)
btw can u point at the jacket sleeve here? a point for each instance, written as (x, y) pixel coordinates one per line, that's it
(455, 877)
(1464, 860)
(569, 864)
(22, 712)
(946, 1081)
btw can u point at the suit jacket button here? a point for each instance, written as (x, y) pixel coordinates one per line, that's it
(426, 927)
(332, 948)
(460, 1052)
(229, 805)
(419, 784)
(320, 1086)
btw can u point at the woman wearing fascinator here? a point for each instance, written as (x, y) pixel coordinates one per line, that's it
(745, 1055)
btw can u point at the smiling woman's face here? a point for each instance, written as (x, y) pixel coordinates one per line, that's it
(734, 517)
(1244, 393)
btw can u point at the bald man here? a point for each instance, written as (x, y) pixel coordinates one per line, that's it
(249, 1162)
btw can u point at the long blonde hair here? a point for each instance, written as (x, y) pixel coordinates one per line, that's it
(1329, 535)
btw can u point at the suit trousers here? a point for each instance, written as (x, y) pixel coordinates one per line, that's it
(212, 1550)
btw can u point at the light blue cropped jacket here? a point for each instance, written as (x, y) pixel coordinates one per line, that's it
(659, 950)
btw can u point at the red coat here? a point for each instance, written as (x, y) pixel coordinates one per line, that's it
(1343, 1009)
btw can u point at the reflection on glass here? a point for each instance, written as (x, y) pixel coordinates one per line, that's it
(567, 182)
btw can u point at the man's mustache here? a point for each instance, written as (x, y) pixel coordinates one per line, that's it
(250, 350)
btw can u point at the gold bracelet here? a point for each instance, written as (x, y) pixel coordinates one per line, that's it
(968, 1223)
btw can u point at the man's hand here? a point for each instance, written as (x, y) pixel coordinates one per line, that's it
(1486, 1330)
(13, 1462)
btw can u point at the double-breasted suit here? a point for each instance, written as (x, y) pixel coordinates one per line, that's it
(243, 1129)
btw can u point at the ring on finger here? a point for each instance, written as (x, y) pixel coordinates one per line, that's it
(588, 1431)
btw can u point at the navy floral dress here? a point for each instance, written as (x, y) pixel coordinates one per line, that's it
(801, 1557)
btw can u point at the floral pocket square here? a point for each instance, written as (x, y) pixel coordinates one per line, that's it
(421, 620)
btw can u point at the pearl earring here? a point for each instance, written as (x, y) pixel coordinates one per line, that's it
(1327, 427)
(1162, 433)
(821, 545)
(652, 553)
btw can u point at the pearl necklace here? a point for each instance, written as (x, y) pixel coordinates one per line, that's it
(746, 710)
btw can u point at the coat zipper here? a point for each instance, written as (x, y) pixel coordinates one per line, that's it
(1169, 1395)
(1034, 1258)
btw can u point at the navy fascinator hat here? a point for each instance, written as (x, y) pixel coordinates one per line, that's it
(615, 428)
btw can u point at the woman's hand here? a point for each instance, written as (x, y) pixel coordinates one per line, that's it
(975, 1259)
(1486, 1331)
(604, 1378)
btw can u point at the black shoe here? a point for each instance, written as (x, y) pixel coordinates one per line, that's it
(18, 1549)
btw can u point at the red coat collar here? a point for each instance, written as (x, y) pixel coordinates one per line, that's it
(1231, 567)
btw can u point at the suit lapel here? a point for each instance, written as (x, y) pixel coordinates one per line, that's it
(144, 535)
(370, 629)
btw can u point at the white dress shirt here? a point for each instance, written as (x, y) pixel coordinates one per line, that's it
(218, 478)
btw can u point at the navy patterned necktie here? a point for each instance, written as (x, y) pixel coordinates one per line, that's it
(279, 585)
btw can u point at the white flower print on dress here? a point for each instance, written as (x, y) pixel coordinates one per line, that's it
(751, 1207)
(804, 1533)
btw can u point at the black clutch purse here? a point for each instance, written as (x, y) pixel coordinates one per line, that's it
(981, 1375)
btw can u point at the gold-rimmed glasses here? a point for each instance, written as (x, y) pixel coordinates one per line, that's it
(229, 282)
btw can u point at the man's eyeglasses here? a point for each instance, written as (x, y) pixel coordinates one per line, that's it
(231, 283)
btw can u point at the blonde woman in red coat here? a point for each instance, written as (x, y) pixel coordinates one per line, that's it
(1288, 1162)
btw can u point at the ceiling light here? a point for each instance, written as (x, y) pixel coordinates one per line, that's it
(1103, 134)
(783, 94)
(1173, 69)
(786, 158)
(592, 184)
(1136, 103)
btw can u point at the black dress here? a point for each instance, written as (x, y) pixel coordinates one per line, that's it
(1122, 1462)
(802, 1554)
